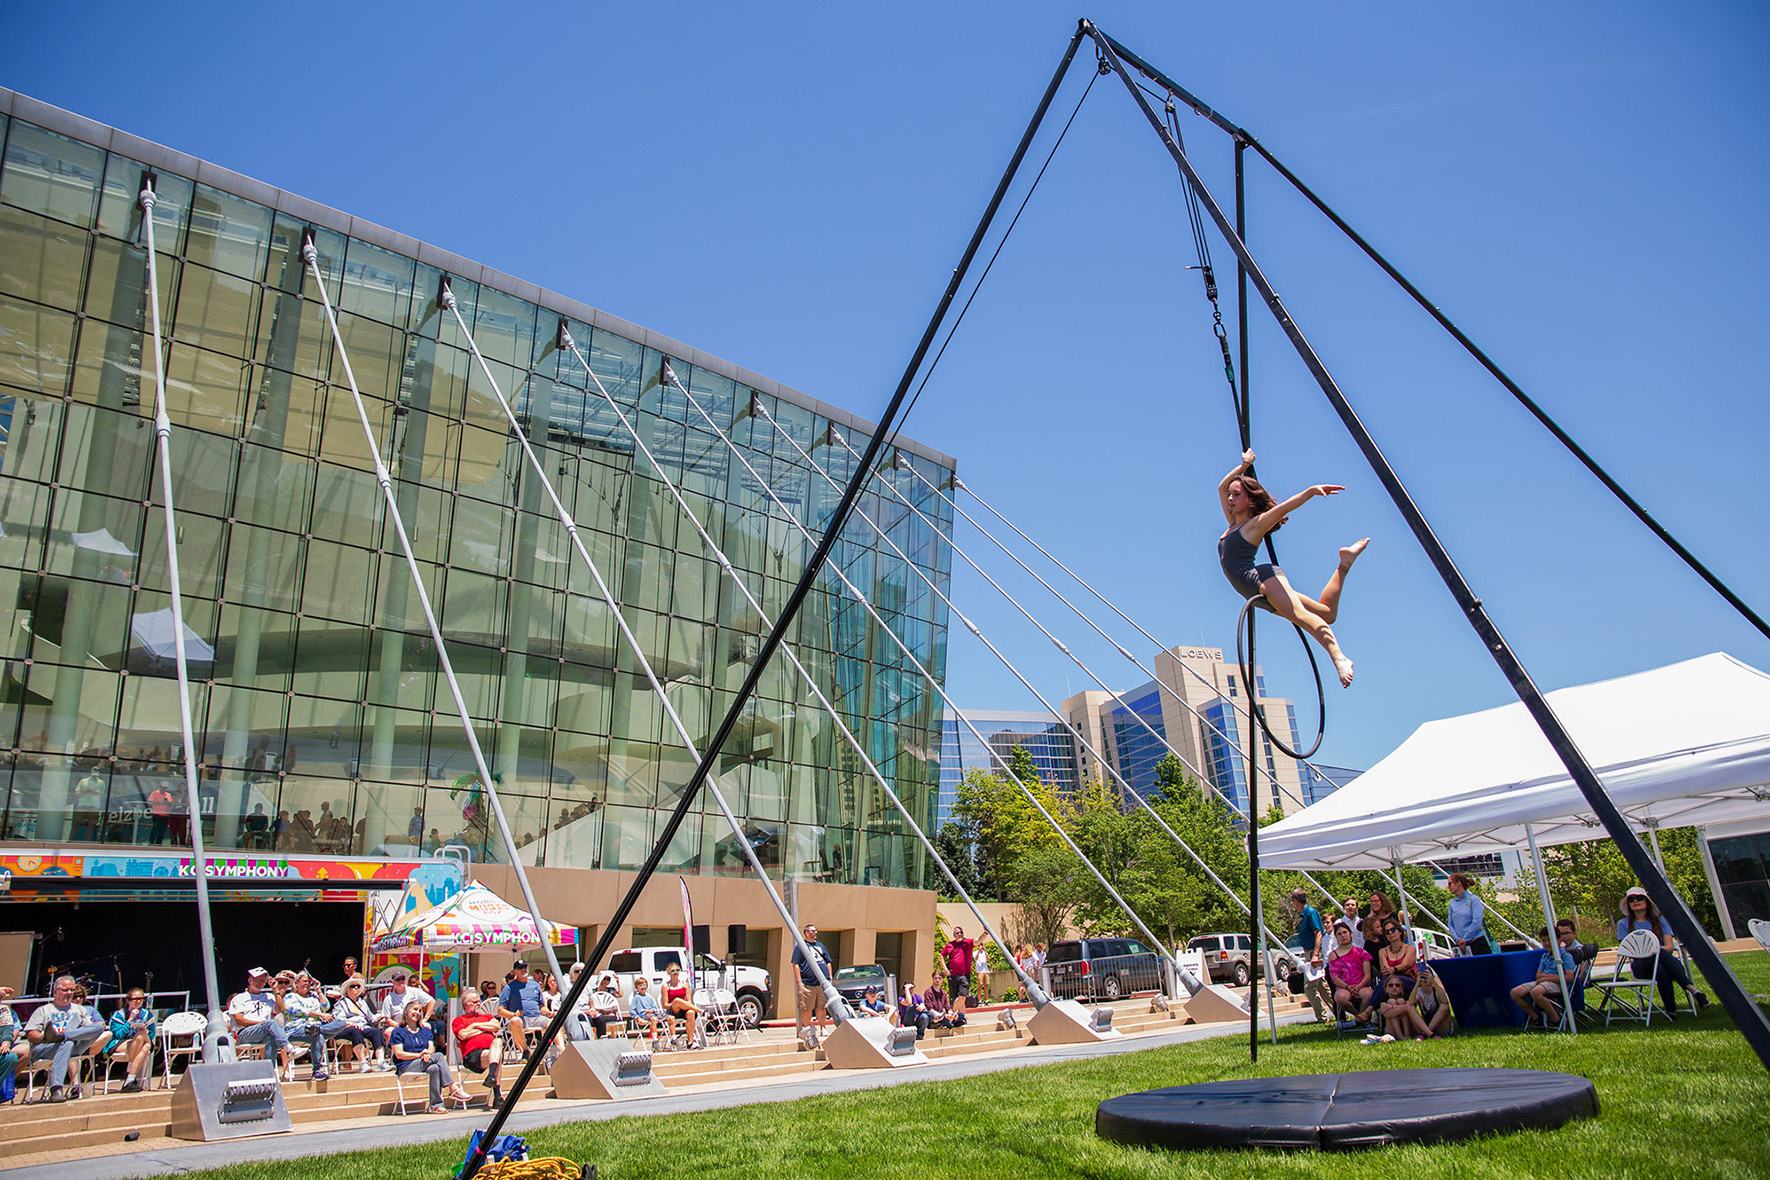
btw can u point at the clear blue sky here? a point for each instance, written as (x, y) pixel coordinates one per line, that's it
(1580, 186)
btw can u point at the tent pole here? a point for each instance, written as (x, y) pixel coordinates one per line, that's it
(1752, 1022)
(1554, 946)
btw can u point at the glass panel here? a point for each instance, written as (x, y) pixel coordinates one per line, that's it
(216, 311)
(377, 284)
(228, 233)
(117, 289)
(119, 209)
(36, 347)
(51, 174)
(204, 390)
(41, 260)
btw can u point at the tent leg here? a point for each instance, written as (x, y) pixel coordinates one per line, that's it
(1554, 946)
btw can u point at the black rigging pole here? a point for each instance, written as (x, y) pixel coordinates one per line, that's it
(783, 621)
(1244, 415)
(1733, 996)
(1242, 137)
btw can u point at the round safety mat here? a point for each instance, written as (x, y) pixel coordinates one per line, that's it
(1339, 1111)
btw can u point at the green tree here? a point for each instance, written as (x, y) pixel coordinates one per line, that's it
(954, 847)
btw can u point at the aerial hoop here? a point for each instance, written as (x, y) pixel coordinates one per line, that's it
(1244, 658)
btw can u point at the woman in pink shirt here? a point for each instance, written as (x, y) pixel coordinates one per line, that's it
(1349, 967)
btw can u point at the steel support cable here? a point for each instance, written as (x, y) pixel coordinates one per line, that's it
(978, 286)
(1192, 985)
(1241, 135)
(180, 659)
(832, 997)
(1751, 1021)
(310, 255)
(836, 436)
(1034, 991)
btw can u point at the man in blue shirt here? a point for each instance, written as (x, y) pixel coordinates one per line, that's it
(1467, 917)
(1307, 943)
(809, 991)
(1539, 995)
(519, 1004)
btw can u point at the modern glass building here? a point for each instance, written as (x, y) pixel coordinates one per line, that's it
(321, 724)
(1040, 734)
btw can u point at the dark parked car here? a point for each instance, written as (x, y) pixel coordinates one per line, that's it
(1102, 968)
(853, 982)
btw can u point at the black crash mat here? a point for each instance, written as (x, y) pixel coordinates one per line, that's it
(1337, 1111)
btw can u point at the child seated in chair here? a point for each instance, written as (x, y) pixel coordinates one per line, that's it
(644, 1011)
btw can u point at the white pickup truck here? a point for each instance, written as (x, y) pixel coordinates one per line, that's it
(750, 985)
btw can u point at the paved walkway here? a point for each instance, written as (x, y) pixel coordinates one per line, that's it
(356, 1135)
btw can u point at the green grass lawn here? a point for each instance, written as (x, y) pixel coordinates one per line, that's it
(1685, 1100)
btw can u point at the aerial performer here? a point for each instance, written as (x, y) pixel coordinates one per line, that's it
(1252, 513)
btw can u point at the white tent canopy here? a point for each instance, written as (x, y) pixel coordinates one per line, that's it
(1675, 746)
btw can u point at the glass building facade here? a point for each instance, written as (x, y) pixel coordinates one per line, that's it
(1040, 734)
(321, 721)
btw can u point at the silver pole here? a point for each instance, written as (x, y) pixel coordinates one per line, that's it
(311, 257)
(1554, 947)
(193, 801)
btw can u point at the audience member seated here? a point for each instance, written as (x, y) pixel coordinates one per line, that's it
(1639, 913)
(61, 1029)
(872, 1004)
(1432, 1003)
(678, 1003)
(1376, 915)
(1398, 956)
(941, 1013)
(253, 1016)
(1397, 1011)
(912, 1010)
(392, 1012)
(476, 1036)
(132, 1031)
(520, 1007)
(306, 1012)
(1349, 970)
(10, 1038)
(644, 1009)
(360, 1031)
(550, 994)
(414, 1050)
(605, 1005)
(1538, 997)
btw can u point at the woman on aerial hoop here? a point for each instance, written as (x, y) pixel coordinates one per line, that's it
(1252, 513)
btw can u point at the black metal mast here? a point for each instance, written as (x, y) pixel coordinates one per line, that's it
(1733, 996)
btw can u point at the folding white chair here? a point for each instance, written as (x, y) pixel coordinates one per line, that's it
(1639, 944)
(175, 1028)
(1761, 931)
(421, 1080)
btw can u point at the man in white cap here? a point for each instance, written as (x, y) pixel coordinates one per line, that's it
(253, 1015)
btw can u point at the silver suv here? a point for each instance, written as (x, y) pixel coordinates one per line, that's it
(1228, 956)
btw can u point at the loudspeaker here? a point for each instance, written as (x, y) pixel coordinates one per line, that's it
(703, 940)
(735, 937)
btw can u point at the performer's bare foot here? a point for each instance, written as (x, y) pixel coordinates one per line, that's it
(1343, 666)
(1350, 553)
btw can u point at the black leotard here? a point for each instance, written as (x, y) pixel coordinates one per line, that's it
(1235, 553)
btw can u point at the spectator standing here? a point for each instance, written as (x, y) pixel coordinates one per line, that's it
(58, 1031)
(1639, 913)
(1349, 911)
(180, 819)
(132, 1028)
(1379, 912)
(1306, 942)
(89, 807)
(476, 1036)
(160, 808)
(980, 971)
(415, 827)
(414, 1049)
(912, 1010)
(1467, 917)
(808, 990)
(361, 1028)
(958, 955)
(519, 1005)
(253, 1015)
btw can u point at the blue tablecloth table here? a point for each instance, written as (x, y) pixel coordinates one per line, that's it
(1480, 986)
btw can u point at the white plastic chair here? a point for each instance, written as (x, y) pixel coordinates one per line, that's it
(181, 1024)
(1761, 931)
(1639, 944)
(421, 1079)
